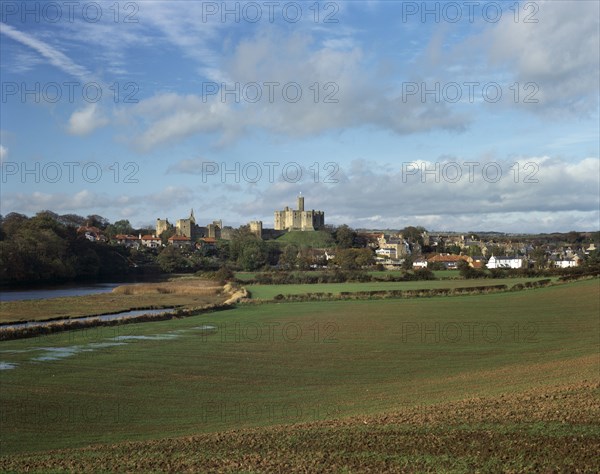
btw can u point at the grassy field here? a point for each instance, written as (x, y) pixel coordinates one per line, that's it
(270, 291)
(261, 366)
(183, 293)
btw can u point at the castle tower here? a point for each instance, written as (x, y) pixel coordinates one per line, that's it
(299, 219)
(162, 225)
(256, 228)
(192, 218)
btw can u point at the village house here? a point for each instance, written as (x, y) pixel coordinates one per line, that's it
(505, 262)
(564, 262)
(91, 233)
(478, 261)
(397, 244)
(386, 253)
(208, 243)
(179, 241)
(449, 261)
(372, 239)
(419, 263)
(150, 241)
(130, 241)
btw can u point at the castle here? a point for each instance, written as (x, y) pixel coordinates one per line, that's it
(299, 219)
(189, 228)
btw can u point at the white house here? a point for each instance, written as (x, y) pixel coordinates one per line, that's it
(566, 262)
(420, 263)
(386, 252)
(150, 241)
(504, 262)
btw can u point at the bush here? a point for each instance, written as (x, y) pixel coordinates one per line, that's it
(224, 274)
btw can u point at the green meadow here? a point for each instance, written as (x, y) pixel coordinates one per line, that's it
(276, 364)
(270, 291)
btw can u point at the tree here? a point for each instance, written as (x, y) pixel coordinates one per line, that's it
(539, 258)
(289, 257)
(364, 257)
(253, 255)
(171, 259)
(95, 220)
(574, 237)
(344, 237)
(407, 263)
(413, 234)
(119, 227)
(72, 220)
(12, 222)
(353, 259)
(468, 272)
(453, 249)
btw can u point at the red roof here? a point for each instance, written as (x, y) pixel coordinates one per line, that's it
(180, 238)
(149, 237)
(84, 228)
(209, 240)
(125, 237)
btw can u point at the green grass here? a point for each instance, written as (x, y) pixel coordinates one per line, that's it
(316, 239)
(245, 276)
(270, 291)
(318, 360)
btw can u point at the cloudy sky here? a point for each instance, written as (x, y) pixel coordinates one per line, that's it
(450, 115)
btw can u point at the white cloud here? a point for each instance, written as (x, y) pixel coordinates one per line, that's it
(540, 197)
(559, 53)
(338, 91)
(3, 153)
(86, 120)
(53, 55)
(85, 202)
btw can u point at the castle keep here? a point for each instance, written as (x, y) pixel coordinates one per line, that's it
(299, 219)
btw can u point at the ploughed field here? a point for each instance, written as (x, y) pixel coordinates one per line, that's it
(461, 383)
(549, 430)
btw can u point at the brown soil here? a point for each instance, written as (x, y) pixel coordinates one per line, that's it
(542, 430)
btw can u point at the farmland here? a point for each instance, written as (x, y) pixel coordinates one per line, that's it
(264, 368)
(270, 291)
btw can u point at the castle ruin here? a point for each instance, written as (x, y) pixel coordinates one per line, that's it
(299, 219)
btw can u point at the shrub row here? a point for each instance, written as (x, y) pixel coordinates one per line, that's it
(385, 294)
(336, 276)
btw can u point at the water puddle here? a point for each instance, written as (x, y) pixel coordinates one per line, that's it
(58, 353)
(49, 354)
(104, 317)
(205, 328)
(156, 337)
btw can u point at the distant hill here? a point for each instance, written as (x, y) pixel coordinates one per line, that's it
(317, 239)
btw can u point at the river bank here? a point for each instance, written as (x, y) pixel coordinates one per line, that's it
(176, 293)
(141, 302)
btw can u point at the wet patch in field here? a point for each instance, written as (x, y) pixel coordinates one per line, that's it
(49, 354)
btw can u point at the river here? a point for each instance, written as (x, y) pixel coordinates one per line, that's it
(57, 291)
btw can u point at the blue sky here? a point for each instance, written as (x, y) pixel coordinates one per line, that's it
(450, 115)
